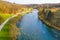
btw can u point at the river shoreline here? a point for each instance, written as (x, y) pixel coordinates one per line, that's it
(47, 23)
(14, 29)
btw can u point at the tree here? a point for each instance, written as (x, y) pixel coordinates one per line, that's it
(49, 15)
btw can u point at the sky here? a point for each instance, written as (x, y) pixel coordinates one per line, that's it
(34, 1)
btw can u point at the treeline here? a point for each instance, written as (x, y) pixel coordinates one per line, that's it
(57, 5)
(7, 7)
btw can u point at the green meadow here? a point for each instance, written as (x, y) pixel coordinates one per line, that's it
(6, 15)
(5, 32)
(10, 30)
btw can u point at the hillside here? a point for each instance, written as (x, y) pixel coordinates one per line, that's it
(50, 17)
(56, 5)
(12, 7)
(7, 7)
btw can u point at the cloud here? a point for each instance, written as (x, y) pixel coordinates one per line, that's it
(34, 1)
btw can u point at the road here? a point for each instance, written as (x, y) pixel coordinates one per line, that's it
(24, 12)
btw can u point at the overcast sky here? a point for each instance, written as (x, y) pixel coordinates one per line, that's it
(34, 1)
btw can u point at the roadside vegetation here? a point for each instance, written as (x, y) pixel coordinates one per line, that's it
(10, 31)
(6, 16)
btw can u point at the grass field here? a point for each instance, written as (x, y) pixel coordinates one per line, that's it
(10, 30)
(5, 32)
(54, 9)
(5, 16)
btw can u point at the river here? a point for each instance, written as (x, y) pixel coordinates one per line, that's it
(31, 28)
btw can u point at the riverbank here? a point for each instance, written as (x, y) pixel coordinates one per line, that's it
(4, 33)
(4, 16)
(14, 29)
(10, 30)
(48, 23)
